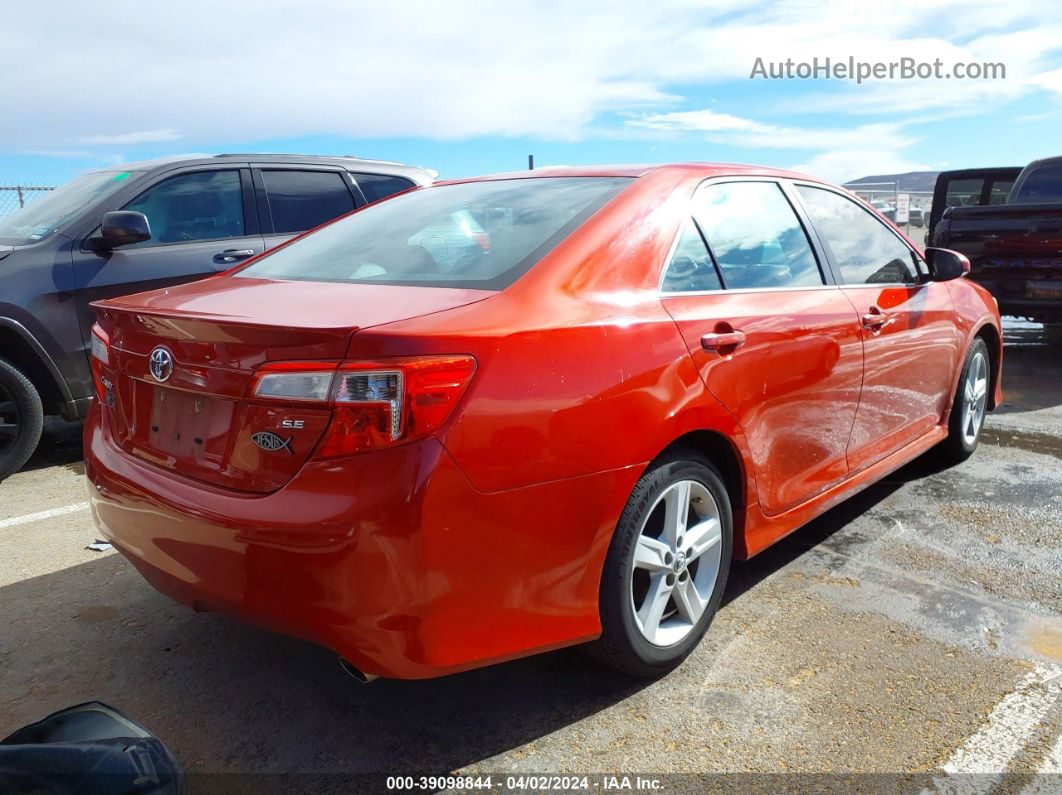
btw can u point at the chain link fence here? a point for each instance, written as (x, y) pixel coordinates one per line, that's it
(885, 196)
(15, 197)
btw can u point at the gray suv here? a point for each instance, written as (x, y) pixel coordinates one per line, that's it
(138, 227)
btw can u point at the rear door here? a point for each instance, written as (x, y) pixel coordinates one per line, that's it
(203, 221)
(774, 339)
(294, 198)
(910, 343)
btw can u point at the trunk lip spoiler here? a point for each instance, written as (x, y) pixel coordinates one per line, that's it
(211, 317)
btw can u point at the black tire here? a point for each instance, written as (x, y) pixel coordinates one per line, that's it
(959, 446)
(622, 644)
(21, 419)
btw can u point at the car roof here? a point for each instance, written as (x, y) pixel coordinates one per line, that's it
(1045, 162)
(640, 170)
(418, 174)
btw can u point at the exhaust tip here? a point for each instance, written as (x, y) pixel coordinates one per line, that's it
(356, 672)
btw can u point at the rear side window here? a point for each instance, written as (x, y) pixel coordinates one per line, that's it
(1000, 191)
(475, 234)
(691, 268)
(863, 248)
(1042, 185)
(204, 205)
(301, 200)
(380, 186)
(756, 236)
(964, 192)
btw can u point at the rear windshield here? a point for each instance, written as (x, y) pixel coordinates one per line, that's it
(481, 235)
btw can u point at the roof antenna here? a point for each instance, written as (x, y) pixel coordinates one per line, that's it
(530, 162)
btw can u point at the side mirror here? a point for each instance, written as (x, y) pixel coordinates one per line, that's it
(120, 228)
(945, 264)
(91, 745)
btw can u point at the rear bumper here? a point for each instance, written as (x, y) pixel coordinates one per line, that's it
(1031, 308)
(392, 559)
(1012, 300)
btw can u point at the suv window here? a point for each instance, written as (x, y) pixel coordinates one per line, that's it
(862, 247)
(203, 205)
(691, 265)
(301, 200)
(380, 186)
(755, 236)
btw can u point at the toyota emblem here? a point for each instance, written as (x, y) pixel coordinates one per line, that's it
(160, 363)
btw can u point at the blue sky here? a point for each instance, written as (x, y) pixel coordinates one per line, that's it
(473, 87)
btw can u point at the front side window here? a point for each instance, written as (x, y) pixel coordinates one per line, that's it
(690, 268)
(301, 200)
(756, 236)
(863, 248)
(204, 205)
(481, 235)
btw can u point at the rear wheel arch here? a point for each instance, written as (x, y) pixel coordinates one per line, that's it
(32, 362)
(990, 334)
(723, 454)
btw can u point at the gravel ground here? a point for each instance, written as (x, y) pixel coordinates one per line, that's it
(906, 638)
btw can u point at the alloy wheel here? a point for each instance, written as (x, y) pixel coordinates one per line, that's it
(676, 562)
(974, 397)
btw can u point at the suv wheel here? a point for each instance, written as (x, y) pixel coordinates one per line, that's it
(21, 419)
(666, 567)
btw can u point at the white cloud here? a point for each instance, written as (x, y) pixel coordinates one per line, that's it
(725, 128)
(64, 153)
(469, 68)
(842, 165)
(141, 137)
(843, 153)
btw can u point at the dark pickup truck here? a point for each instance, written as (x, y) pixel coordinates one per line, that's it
(139, 227)
(1009, 223)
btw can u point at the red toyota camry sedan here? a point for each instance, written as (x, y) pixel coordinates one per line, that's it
(498, 416)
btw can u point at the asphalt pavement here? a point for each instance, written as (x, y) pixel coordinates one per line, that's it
(909, 639)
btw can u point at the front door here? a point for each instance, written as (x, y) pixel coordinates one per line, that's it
(202, 222)
(774, 341)
(910, 345)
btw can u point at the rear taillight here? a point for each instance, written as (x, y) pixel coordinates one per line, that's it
(295, 381)
(101, 355)
(100, 345)
(374, 403)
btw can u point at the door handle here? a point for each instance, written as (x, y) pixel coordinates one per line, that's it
(876, 320)
(720, 341)
(234, 254)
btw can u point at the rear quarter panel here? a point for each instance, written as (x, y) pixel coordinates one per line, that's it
(580, 368)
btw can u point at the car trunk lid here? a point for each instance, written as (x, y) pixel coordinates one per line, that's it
(190, 411)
